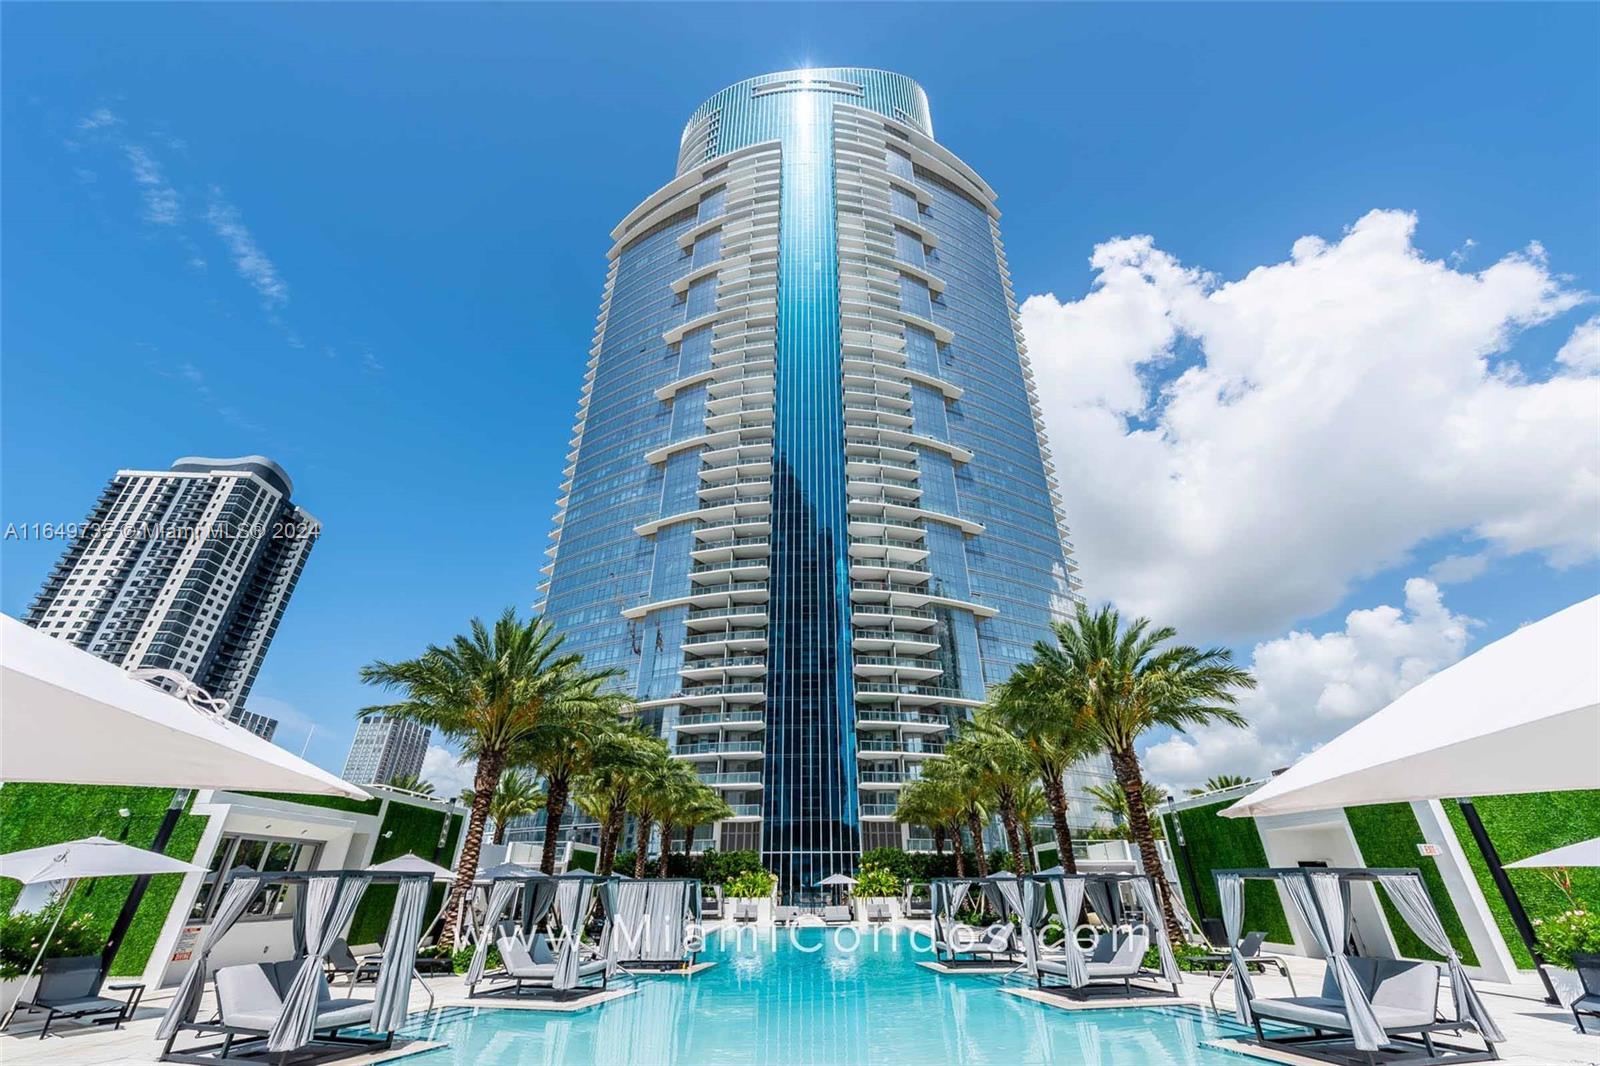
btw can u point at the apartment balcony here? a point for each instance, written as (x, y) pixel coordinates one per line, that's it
(864, 444)
(888, 716)
(748, 749)
(876, 416)
(740, 571)
(908, 746)
(910, 695)
(736, 468)
(751, 446)
(729, 591)
(741, 415)
(867, 530)
(874, 571)
(716, 533)
(728, 392)
(897, 489)
(727, 642)
(731, 719)
(744, 812)
(731, 616)
(891, 616)
(878, 812)
(887, 778)
(740, 779)
(728, 667)
(756, 486)
(892, 642)
(747, 509)
(892, 668)
(730, 549)
(862, 468)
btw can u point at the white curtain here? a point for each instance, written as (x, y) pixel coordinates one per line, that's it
(948, 896)
(499, 899)
(1032, 912)
(324, 925)
(1156, 923)
(1410, 897)
(628, 929)
(1103, 900)
(241, 890)
(572, 908)
(1327, 927)
(1230, 889)
(1069, 904)
(607, 890)
(393, 993)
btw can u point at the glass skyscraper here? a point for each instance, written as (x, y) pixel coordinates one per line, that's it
(809, 509)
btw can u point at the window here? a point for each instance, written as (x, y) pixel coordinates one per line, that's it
(255, 853)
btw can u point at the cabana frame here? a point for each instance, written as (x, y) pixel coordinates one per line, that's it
(951, 938)
(1363, 1037)
(1102, 892)
(543, 902)
(251, 1045)
(670, 910)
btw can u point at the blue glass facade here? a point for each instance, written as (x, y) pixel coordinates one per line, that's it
(808, 509)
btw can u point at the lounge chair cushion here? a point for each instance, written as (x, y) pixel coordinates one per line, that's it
(836, 914)
(89, 1005)
(1586, 1003)
(1319, 1011)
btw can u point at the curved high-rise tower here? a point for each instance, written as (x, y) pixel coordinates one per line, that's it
(809, 509)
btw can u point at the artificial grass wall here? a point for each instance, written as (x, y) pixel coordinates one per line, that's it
(1521, 826)
(1217, 843)
(1388, 835)
(337, 803)
(35, 815)
(415, 830)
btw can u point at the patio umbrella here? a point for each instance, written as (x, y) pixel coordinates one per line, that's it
(73, 718)
(78, 860)
(838, 882)
(412, 864)
(1519, 715)
(1586, 853)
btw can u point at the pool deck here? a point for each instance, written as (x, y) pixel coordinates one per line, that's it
(1536, 1032)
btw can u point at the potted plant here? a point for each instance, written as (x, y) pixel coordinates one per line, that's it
(20, 938)
(752, 886)
(877, 884)
(1572, 932)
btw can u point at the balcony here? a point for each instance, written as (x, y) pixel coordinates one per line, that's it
(888, 778)
(744, 810)
(892, 642)
(732, 779)
(726, 642)
(740, 571)
(699, 721)
(746, 666)
(878, 810)
(742, 748)
(898, 746)
(875, 716)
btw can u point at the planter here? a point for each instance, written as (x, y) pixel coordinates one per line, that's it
(733, 904)
(861, 903)
(1569, 987)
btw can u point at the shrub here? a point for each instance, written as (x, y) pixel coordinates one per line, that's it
(21, 935)
(463, 958)
(751, 884)
(1571, 932)
(720, 867)
(876, 881)
(902, 864)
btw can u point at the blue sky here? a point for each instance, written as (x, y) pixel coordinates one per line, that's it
(369, 242)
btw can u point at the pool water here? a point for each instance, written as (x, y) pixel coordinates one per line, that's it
(786, 1003)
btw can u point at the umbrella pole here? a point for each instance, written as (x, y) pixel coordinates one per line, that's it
(72, 885)
(1508, 893)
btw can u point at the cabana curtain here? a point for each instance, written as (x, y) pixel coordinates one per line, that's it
(1033, 916)
(330, 904)
(948, 896)
(393, 994)
(573, 899)
(241, 890)
(1410, 898)
(1105, 901)
(499, 899)
(626, 939)
(1069, 904)
(1230, 889)
(1327, 928)
(1154, 920)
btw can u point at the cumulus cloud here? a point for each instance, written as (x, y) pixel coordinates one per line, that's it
(447, 772)
(1311, 687)
(248, 258)
(1233, 454)
(1582, 350)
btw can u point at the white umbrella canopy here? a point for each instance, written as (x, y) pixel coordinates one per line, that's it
(413, 864)
(76, 860)
(1585, 853)
(836, 879)
(74, 719)
(1519, 715)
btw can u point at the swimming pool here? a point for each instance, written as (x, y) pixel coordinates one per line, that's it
(813, 1002)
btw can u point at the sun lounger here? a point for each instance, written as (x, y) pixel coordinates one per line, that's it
(1114, 960)
(1404, 996)
(745, 912)
(1588, 967)
(535, 966)
(785, 915)
(70, 988)
(837, 915)
(879, 912)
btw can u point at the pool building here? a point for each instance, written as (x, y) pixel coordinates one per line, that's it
(809, 508)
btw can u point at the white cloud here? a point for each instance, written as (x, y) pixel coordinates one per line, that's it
(1313, 687)
(447, 772)
(248, 258)
(1582, 350)
(1333, 412)
(1458, 569)
(162, 204)
(99, 119)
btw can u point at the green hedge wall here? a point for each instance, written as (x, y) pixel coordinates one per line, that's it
(1388, 835)
(415, 830)
(1521, 826)
(34, 815)
(337, 803)
(1217, 843)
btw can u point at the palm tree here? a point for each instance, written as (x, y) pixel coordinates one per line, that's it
(1000, 767)
(1031, 806)
(411, 783)
(563, 747)
(1127, 680)
(656, 787)
(703, 805)
(1110, 801)
(968, 797)
(516, 795)
(677, 793)
(605, 790)
(1042, 718)
(1218, 783)
(488, 690)
(933, 802)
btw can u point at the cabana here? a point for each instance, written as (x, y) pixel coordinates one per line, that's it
(275, 1008)
(915, 901)
(1367, 1004)
(562, 904)
(1114, 959)
(656, 923)
(952, 937)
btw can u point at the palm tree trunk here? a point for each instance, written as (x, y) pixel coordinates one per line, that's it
(1056, 795)
(688, 844)
(666, 848)
(1125, 764)
(938, 839)
(484, 782)
(610, 833)
(1008, 818)
(555, 809)
(1027, 842)
(961, 849)
(645, 825)
(977, 842)
(499, 831)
